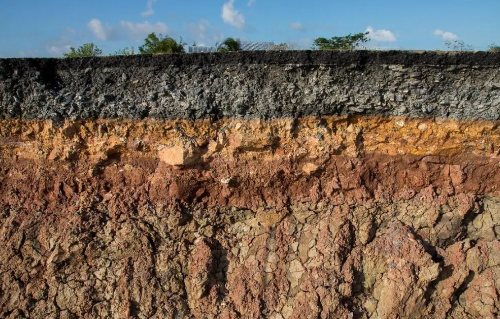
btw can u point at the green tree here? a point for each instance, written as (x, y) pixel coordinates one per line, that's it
(125, 51)
(348, 42)
(86, 50)
(230, 45)
(494, 48)
(154, 44)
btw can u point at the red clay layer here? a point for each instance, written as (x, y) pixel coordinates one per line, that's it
(46, 185)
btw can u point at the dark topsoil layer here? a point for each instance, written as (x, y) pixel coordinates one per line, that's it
(265, 57)
(266, 84)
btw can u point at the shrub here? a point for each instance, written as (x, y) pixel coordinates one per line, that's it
(230, 45)
(86, 50)
(154, 44)
(348, 42)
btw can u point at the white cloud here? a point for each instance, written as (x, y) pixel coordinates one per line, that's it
(58, 46)
(144, 28)
(99, 30)
(446, 35)
(58, 50)
(297, 26)
(204, 34)
(149, 9)
(381, 35)
(251, 2)
(231, 16)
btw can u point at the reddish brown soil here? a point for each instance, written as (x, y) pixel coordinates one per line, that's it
(222, 182)
(338, 218)
(375, 236)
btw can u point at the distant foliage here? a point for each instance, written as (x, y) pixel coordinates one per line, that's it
(86, 50)
(348, 42)
(230, 45)
(458, 45)
(494, 48)
(125, 51)
(154, 44)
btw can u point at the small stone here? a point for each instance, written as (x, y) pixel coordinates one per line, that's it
(179, 155)
(310, 168)
(422, 127)
(400, 123)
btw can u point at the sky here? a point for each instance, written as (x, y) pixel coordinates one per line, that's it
(47, 28)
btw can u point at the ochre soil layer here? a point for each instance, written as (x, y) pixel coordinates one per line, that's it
(299, 138)
(338, 217)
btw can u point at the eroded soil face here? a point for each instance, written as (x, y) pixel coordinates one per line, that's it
(333, 217)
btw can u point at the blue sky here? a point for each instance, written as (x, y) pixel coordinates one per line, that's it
(44, 28)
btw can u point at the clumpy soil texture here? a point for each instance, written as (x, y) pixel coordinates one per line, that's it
(253, 85)
(314, 217)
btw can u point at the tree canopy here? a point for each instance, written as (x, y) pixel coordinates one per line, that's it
(230, 45)
(154, 44)
(348, 42)
(86, 50)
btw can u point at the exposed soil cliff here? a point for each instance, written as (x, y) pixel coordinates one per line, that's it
(131, 207)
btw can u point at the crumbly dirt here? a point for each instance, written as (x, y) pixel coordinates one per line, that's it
(273, 84)
(341, 217)
(306, 137)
